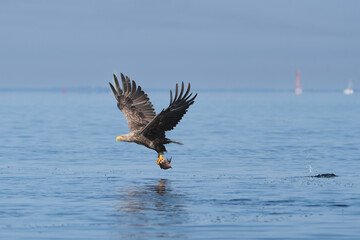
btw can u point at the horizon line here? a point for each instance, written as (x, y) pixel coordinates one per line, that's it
(105, 89)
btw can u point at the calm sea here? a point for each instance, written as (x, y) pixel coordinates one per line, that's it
(244, 171)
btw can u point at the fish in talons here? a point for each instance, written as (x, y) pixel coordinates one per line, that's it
(165, 163)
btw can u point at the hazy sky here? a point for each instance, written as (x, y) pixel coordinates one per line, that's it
(213, 44)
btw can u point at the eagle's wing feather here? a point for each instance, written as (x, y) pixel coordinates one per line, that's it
(168, 118)
(133, 102)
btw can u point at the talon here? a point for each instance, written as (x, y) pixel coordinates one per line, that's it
(160, 159)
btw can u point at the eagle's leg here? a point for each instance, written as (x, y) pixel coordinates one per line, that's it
(160, 159)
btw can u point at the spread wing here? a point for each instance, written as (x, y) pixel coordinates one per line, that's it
(168, 118)
(133, 102)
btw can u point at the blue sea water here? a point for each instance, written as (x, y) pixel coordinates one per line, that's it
(244, 171)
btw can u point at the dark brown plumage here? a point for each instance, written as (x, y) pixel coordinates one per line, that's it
(147, 128)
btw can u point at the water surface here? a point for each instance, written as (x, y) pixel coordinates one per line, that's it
(242, 173)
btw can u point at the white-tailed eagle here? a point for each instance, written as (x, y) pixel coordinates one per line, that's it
(146, 127)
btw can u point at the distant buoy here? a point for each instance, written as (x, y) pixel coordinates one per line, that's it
(63, 90)
(298, 90)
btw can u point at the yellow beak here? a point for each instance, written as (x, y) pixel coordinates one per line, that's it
(119, 138)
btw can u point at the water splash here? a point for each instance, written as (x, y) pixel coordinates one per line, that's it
(310, 169)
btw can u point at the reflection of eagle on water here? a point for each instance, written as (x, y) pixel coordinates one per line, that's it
(147, 128)
(146, 208)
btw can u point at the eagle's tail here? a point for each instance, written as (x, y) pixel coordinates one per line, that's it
(167, 141)
(180, 143)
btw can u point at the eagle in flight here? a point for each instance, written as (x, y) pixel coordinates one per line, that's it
(146, 127)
